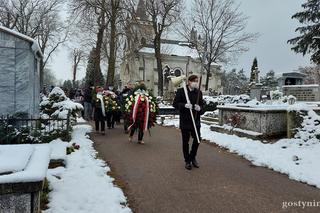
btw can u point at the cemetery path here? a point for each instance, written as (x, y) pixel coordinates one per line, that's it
(155, 180)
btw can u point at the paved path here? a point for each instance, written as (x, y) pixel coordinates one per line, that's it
(156, 181)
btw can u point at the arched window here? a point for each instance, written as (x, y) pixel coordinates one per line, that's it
(177, 72)
(143, 41)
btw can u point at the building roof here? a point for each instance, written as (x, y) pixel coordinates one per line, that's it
(173, 50)
(34, 44)
(297, 74)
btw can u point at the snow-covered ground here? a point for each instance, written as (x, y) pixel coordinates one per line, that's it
(23, 163)
(299, 160)
(84, 186)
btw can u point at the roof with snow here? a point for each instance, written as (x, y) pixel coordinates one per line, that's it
(174, 50)
(34, 44)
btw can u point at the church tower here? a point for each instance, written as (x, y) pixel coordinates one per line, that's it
(141, 11)
(140, 31)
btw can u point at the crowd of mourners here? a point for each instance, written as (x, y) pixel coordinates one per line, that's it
(138, 109)
(106, 107)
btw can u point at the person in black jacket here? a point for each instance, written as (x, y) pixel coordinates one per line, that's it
(186, 125)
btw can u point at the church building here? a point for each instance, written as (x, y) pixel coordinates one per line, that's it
(178, 57)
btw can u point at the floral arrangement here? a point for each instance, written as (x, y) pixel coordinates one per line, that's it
(110, 101)
(72, 148)
(141, 109)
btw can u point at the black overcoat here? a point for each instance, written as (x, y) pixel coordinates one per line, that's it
(180, 102)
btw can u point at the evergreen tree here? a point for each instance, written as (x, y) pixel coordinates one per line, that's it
(67, 85)
(234, 82)
(308, 41)
(90, 72)
(253, 68)
(58, 105)
(270, 80)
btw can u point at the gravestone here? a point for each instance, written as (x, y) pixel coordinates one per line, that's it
(303, 92)
(19, 73)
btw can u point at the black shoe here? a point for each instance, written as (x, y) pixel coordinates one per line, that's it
(195, 163)
(188, 166)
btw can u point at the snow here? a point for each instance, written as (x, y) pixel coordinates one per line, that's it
(230, 128)
(14, 158)
(303, 85)
(58, 149)
(63, 105)
(211, 114)
(227, 99)
(309, 132)
(35, 47)
(64, 108)
(173, 49)
(279, 156)
(294, 157)
(260, 107)
(169, 121)
(84, 186)
(164, 106)
(36, 168)
(81, 120)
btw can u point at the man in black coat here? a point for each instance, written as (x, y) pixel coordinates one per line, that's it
(186, 125)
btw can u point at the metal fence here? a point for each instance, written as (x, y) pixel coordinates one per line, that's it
(15, 130)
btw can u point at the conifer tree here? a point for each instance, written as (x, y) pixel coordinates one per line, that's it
(90, 79)
(253, 68)
(308, 42)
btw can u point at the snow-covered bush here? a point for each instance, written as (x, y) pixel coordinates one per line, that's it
(58, 105)
(227, 99)
(211, 103)
(309, 131)
(253, 102)
(276, 95)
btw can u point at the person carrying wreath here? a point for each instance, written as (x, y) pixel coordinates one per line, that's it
(142, 110)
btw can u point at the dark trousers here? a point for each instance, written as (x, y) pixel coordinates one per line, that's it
(98, 122)
(189, 155)
(140, 133)
(125, 124)
(110, 119)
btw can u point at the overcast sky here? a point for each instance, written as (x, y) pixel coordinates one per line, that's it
(270, 18)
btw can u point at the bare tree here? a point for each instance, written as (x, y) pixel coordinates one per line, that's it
(115, 10)
(92, 13)
(163, 14)
(312, 74)
(220, 29)
(38, 19)
(77, 56)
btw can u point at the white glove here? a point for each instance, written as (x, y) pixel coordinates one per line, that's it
(188, 106)
(197, 107)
